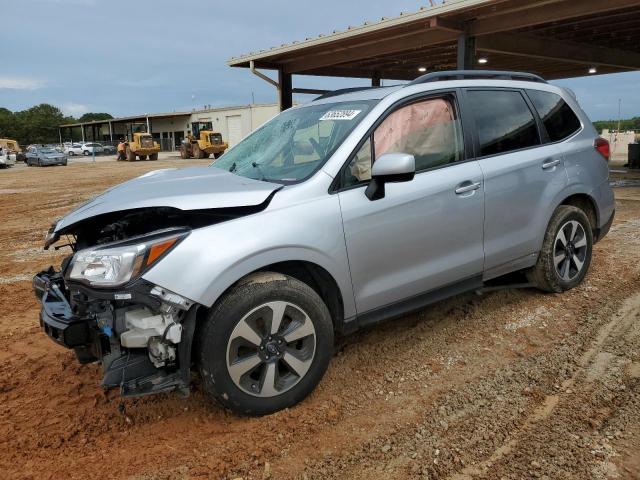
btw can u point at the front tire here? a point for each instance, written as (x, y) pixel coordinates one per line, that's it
(153, 157)
(566, 251)
(265, 345)
(71, 153)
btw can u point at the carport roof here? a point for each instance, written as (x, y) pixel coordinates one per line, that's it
(553, 38)
(127, 119)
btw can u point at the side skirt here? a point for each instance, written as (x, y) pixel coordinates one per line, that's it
(412, 304)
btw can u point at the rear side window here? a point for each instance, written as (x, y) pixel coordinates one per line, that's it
(558, 118)
(503, 121)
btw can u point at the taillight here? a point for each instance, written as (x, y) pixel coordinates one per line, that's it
(602, 146)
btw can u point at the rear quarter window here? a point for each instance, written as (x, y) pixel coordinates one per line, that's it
(558, 118)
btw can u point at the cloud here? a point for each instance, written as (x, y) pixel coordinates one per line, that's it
(74, 109)
(20, 83)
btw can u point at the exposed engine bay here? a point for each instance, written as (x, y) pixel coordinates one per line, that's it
(140, 332)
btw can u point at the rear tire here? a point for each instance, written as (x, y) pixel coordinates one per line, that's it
(71, 154)
(143, 157)
(252, 367)
(184, 153)
(153, 157)
(195, 151)
(566, 251)
(85, 153)
(131, 156)
(217, 155)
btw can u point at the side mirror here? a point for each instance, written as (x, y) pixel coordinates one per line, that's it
(390, 167)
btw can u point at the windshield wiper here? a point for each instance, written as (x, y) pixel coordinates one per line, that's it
(232, 168)
(256, 165)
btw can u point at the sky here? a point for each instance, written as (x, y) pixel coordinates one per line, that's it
(129, 57)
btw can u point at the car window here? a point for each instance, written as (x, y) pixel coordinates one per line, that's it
(295, 144)
(558, 118)
(503, 120)
(429, 130)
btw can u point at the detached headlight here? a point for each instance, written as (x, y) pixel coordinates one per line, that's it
(115, 266)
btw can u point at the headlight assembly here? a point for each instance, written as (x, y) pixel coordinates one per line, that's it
(115, 266)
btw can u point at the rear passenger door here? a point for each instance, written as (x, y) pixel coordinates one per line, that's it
(522, 176)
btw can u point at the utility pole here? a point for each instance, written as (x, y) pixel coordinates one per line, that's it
(619, 113)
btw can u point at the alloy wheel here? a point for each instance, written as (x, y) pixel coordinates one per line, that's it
(570, 250)
(271, 349)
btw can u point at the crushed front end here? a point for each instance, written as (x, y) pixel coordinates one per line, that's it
(98, 305)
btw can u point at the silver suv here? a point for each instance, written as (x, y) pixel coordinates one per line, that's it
(360, 206)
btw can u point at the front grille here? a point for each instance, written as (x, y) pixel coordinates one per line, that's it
(216, 138)
(146, 142)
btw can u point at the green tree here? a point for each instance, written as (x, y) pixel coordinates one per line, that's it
(38, 124)
(89, 117)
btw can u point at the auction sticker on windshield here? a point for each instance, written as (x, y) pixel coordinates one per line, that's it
(340, 115)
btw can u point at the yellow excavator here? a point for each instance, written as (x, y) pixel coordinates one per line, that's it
(140, 144)
(202, 142)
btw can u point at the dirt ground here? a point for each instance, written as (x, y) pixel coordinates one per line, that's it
(513, 384)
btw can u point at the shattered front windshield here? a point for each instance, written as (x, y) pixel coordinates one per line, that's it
(296, 143)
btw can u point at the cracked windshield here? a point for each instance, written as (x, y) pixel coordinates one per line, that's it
(296, 143)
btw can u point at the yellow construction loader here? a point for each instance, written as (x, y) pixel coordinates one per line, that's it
(12, 146)
(202, 142)
(140, 144)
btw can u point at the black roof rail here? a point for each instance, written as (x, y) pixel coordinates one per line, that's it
(477, 74)
(342, 91)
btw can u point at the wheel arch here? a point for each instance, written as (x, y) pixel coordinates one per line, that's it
(310, 273)
(577, 198)
(587, 204)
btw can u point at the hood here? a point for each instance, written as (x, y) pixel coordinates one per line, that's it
(194, 188)
(53, 155)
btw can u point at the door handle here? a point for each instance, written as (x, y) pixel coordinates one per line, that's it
(466, 187)
(548, 164)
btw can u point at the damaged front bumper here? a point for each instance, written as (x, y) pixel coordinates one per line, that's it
(142, 335)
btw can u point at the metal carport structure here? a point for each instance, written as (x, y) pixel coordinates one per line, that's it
(95, 130)
(552, 38)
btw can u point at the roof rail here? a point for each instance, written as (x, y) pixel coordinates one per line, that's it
(474, 74)
(342, 91)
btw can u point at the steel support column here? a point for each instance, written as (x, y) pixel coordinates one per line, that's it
(110, 132)
(83, 133)
(286, 90)
(466, 52)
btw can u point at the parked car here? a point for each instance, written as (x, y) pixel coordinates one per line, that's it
(358, 207)
(108, 149)
(73, 149)
(44, 156)
(91, 148)
(7, 158)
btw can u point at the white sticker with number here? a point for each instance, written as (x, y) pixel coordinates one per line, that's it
(340, 115)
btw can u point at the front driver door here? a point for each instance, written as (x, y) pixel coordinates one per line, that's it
(426, 233)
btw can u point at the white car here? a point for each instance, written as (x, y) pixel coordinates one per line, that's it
(91, 148)
(7, 158)
(73, 149)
